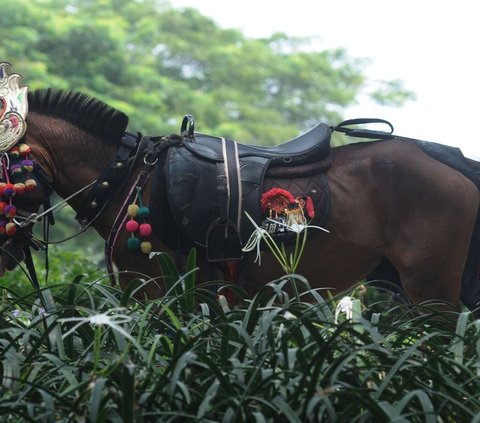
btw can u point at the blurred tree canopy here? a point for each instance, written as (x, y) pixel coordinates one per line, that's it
(156, 64)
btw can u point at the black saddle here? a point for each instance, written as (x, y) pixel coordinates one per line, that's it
(211, 182)
(303, 149)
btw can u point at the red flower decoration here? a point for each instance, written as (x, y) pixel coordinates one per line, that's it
(276, 199)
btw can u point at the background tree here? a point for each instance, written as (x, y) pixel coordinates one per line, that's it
(157, 63)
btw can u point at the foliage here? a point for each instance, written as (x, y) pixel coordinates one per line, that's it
(64, 264)
(156, 64)
(91, 353)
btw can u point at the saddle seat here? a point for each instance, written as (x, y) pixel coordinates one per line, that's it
(306, 148)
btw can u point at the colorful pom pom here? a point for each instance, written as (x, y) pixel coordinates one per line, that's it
(15, 169)
(10, 210)
(10, 228)
(145, 247)
(9, 190)
(132, 210)
(14, 152)
(2, 226)
(3, 204)
(27, 165)
(132, 226)
(133, 243)
(19, 188)
(24, 149)
(30, 184)
(143, 212)
(2, 188)
(145, 229)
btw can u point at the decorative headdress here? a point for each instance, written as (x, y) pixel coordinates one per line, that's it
(13, 108)
(16, 166)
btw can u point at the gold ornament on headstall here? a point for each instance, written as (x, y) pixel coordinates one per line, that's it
(13, 108)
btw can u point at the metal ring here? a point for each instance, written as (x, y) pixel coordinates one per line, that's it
(149, 163)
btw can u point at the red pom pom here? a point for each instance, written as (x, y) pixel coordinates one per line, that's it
(19, 188)
(145, 229)
(10, 228)
(2, 206)
(2, 188)
(132, 226)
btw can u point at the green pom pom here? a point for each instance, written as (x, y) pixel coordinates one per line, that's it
(133, 244)
(143, 212)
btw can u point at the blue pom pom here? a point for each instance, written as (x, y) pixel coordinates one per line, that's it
(133, 244)
(143, 212)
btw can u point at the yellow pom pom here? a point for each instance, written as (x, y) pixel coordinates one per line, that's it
(24, 149)
(146, 247)
(132, 210)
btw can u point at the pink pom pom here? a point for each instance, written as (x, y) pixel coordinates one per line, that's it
(132, 226)
(145, 229)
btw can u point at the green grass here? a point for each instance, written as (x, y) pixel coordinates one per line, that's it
(83, 351)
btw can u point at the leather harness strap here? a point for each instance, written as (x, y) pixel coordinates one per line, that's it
(112, 179)
(154, 146)
(231, 163)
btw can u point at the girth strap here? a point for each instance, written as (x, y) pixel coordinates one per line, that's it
(223, 236)
(234, 186)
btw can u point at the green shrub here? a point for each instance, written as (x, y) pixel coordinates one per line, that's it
(85, 351)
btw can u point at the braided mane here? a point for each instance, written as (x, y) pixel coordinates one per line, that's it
(88, 113)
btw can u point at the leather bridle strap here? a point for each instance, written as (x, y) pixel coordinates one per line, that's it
(111, 180)
(31, 266)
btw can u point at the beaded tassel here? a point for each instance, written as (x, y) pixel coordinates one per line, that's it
(138, 226)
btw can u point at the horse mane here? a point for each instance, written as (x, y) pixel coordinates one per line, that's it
(82, 110)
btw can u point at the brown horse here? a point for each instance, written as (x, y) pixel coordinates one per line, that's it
(390, 202)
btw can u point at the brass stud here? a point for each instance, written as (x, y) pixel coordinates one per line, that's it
(105, 185)
(119, 166)
(93, 205)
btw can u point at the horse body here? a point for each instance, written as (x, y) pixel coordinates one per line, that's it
(389, 200)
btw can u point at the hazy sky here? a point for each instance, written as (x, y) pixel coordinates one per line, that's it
(433, 46)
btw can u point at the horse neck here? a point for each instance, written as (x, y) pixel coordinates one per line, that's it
(72, 157)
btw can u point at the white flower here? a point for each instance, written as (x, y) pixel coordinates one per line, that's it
(254, 242)
(112, 319)
(297, 227)
(345, 305)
